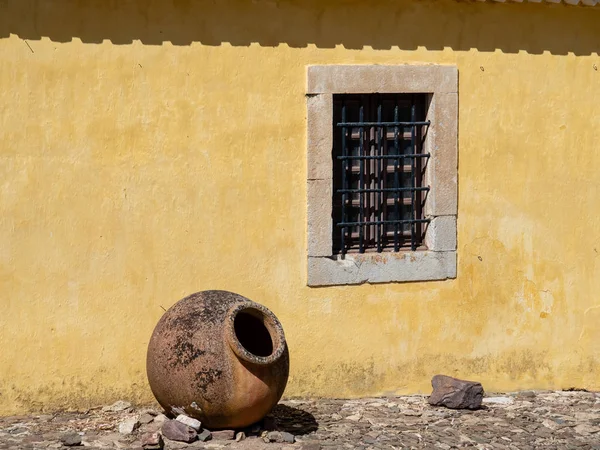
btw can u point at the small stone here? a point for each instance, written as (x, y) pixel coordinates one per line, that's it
(146, 418)
(354, 417)
(336, 416)
(46, 417)
(273, 436)
(498, 400)
(192, 423)
(526, 394)
(311, 446)
(117, 406)
(465, 439)
(177, 431)
(223, 435)
(240, 436)
(33, 438)
(288, 437)
(152, 441)
(586, 429)
(550, 424)
(369, 440)
(205, 435)
(161, 418)
(129, 425)
(71, 440)
(454, 393)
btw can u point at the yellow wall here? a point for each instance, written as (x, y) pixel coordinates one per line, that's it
(150, 149)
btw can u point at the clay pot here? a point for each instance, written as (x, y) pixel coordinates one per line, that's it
(218, 357)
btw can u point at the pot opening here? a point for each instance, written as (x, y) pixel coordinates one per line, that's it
(252, 333)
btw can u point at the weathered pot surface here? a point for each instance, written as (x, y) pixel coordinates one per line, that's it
(218, 357)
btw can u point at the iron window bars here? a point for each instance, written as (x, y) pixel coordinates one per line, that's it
(378, 172)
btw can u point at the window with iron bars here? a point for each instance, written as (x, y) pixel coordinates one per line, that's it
(379, 163)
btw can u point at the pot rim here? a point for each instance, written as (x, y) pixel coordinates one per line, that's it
(270, 322)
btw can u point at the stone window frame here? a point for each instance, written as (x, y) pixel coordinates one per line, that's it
(438, 262)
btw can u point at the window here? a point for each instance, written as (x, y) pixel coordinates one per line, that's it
(382, 173)
(378, 164)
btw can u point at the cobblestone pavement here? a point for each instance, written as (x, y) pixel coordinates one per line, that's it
(525, 420)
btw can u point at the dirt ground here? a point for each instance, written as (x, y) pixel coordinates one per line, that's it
(525, 420)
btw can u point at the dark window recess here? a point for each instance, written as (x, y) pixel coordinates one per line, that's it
(379, 162)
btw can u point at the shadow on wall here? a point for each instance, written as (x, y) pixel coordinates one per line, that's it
(354, 24)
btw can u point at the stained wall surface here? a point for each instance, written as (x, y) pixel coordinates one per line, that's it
(151, 149)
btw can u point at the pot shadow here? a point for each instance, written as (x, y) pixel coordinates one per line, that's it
(293, 420)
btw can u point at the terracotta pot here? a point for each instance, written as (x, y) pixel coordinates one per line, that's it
(218, 357)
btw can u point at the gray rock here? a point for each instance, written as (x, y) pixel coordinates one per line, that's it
(117, 406)
(192, 423)
(146, 418)
(129, 425)
(240, 436)
(18, 430)
(369, 440)
(71, 440)
(288, 437)
(205, 435)
(456, 394)
(177, 431)
(526, 394)
(499, 400)
(152, 441)
(223, 435)
(46, 417)
(279, 436)
(586, 429)
(272, 436)
(311, 446)
(161, 418)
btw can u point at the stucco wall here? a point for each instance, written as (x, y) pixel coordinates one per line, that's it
(151, 149)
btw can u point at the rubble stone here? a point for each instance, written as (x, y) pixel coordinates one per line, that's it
(161, 418)
(205, 435)
(146, 418)
(129, 425)
(177, 431)
(288, 437)
(223, 435)
(553, 420)
(498, 400)
(273, 436)
(279, 436)
(152, 441)
(71, 440)
(117, 406)
(311, 446)
(192, 423)
(455, 394)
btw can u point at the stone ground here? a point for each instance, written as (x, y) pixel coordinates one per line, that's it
(525, 420)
